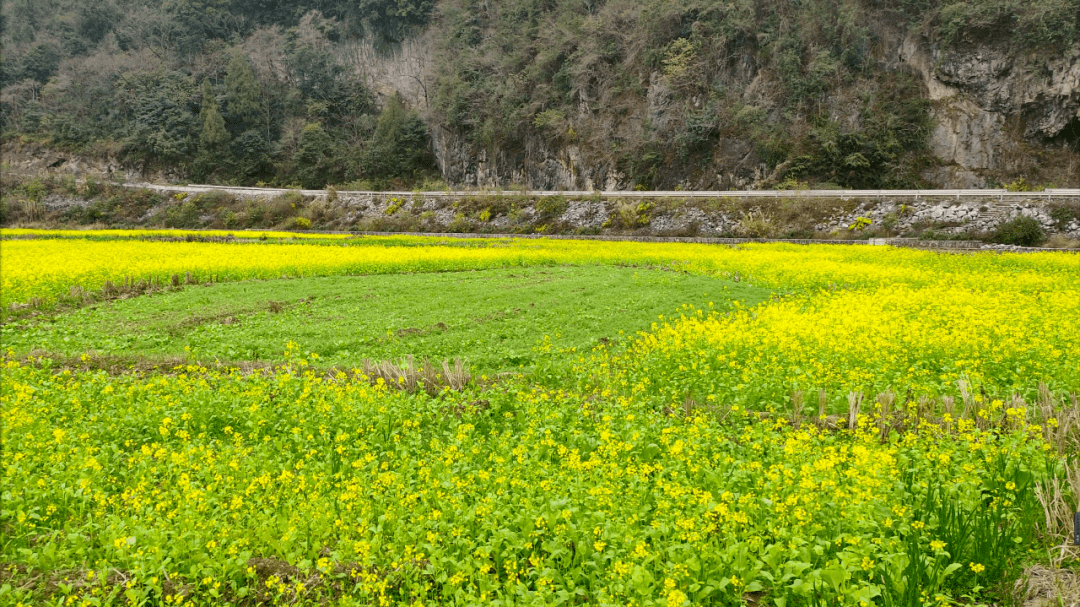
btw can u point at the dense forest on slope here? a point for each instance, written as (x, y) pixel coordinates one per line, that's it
(662, 94)
(243, 91)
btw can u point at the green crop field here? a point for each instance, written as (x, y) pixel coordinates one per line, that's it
(491, 318)
(417, 421)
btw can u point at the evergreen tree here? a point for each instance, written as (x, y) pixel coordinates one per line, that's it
(246, 118)
(213, 137)
(162, 118)
(41, 62)
(315, 157)
(399, 147)
(243, 97)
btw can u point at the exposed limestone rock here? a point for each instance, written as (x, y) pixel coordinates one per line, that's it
(998, 115)
(1044, 91)
(659, 104)
(966, 135)
(980, 92)
(33, 159)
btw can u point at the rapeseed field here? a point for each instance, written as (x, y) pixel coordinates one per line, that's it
(884, 431)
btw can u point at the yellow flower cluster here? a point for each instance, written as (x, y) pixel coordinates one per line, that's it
(874, 340)
(649, 481)
(47, 268)
(293, 486)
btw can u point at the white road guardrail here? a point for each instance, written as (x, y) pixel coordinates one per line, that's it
(843, 194)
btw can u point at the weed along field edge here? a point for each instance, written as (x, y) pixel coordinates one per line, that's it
(404, 420)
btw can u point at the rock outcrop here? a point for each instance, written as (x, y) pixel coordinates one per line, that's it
(34, 159)
(999, 113)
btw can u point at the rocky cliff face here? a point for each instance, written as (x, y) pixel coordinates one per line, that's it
(35, 159)
(534, 162)
(540, 163)
(999, 114)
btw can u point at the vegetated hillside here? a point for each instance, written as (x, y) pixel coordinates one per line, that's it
(214, 90)
(556, 93)
(710, 94)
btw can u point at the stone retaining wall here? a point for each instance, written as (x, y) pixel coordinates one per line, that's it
(752, 216)
(781, 215)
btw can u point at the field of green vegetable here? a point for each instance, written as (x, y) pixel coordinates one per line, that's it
(492, 318)
(766, 425)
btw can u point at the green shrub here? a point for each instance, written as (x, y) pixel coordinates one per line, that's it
(399, 147)
(551, 206)
(186, 215)
(1021, 231)
(92, 187)
(889, 222)
(35, 189)
(630, 216)
(460, 224)
(69, 185)
(1022, 185)
(1063, 214)
(227, 218)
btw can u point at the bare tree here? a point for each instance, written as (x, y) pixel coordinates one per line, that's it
(405, 69)
(265, 50)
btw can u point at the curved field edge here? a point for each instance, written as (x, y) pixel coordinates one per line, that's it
(866, 320)
(490, 319)
(45, 271)
(913, 342)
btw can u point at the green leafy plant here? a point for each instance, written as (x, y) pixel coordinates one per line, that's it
(394, 207)
(860, 224)
(890, 221)
(1021, 184)
(1063, 214)
(550, 207)
(630, 215)
(460, 224)
(791, 183)
(1021, 231)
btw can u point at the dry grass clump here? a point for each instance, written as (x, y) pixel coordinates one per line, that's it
(409, 376)
(1062, 241)
(1058, 496)
(78, 296)
(1049, 587)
